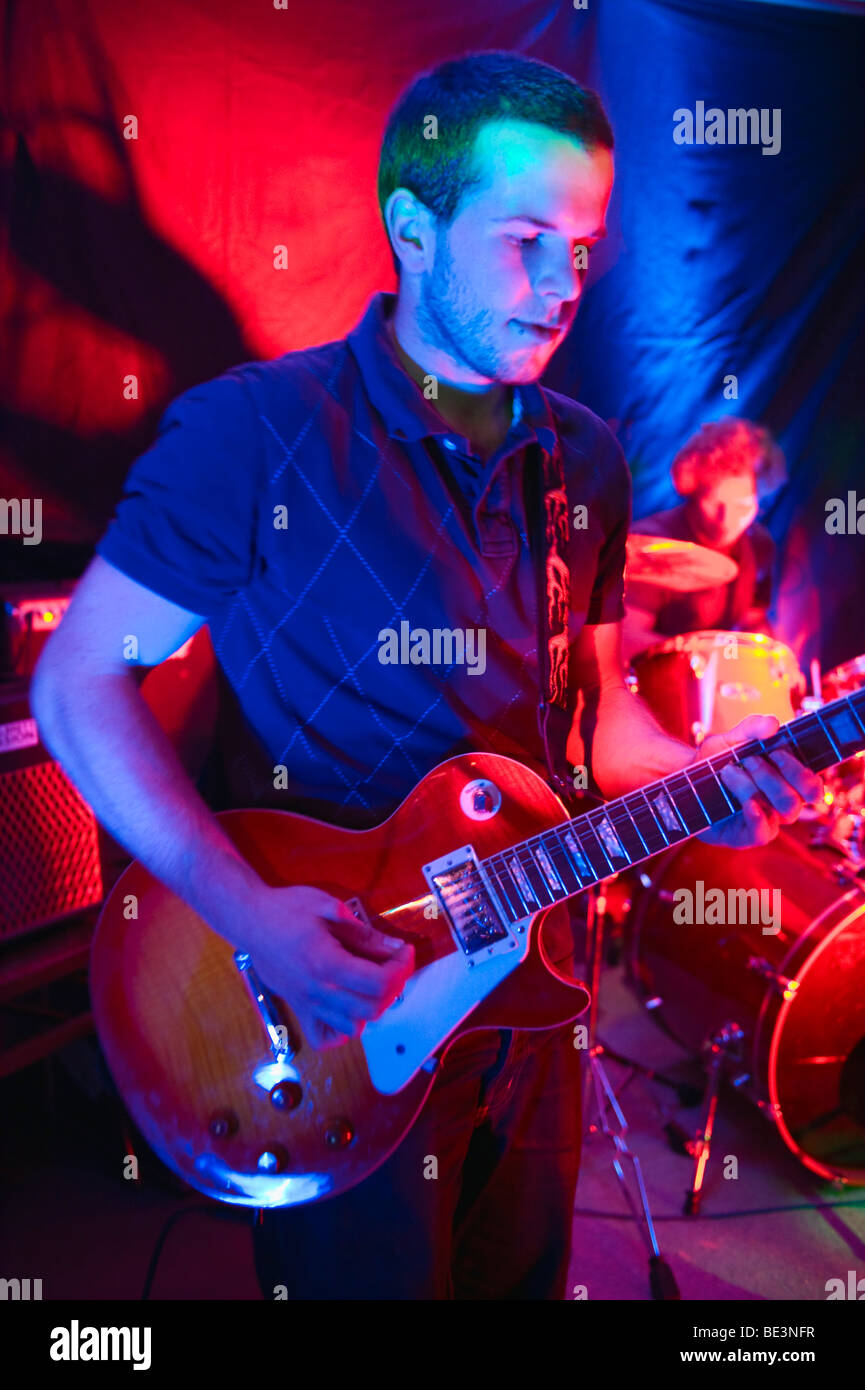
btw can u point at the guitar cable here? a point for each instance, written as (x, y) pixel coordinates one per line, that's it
(232, 1214)
(723, 1215)
(221, 1214)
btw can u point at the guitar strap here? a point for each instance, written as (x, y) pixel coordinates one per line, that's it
(549, 522)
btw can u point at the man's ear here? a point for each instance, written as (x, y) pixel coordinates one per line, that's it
(410, 226)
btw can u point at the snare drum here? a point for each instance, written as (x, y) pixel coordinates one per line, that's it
(798, 993)
(703, 683)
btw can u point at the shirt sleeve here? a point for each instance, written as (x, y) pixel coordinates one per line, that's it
(186, 523)
(606, 604)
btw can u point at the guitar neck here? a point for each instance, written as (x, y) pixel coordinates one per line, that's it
(559, 863)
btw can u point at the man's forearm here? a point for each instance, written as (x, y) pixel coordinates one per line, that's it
(628, 747)
(111, 746)
(638, 632)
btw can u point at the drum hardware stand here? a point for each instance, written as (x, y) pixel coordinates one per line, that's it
(688, 1094)
(724, 1049)
(826, 836)
(662, 1281)
(830, 836)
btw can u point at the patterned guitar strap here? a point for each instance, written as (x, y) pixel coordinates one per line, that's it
(551, 533)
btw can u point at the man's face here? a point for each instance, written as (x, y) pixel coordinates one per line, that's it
(726, 509)
(506, 262)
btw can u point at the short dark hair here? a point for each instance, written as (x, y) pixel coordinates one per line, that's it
(465, 94)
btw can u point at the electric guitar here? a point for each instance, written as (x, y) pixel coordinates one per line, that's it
(216, 1071)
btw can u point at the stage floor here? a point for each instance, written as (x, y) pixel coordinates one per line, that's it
(69, 1219)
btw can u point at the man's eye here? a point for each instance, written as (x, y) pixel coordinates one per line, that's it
(522, 240)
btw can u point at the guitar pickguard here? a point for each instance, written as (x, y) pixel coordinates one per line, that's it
(443, 993)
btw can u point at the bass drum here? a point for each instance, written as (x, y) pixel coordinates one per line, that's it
(798, 993)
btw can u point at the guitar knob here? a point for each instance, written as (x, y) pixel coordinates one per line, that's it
(223, 1124)
(286, 1095)
(338, 1134)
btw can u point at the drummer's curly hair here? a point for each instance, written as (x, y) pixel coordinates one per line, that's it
(726, 449)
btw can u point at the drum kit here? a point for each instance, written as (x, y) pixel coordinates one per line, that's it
(780, 1010)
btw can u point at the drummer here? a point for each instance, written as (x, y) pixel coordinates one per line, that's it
(719, 473)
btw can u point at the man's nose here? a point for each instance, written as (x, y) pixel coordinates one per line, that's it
(559, 277)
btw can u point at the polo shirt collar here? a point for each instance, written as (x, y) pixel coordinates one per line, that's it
(407, 414)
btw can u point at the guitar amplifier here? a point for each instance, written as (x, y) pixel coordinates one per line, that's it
(50, 863)
(29, 613)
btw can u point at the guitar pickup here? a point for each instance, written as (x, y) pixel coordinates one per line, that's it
(471, 908)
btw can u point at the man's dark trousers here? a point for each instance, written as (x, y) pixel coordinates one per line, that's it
(475, 1203)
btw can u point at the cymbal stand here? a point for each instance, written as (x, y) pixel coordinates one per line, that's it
(662, 1281)
(724, 1049)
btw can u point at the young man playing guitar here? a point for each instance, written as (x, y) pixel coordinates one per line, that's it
(305, 508)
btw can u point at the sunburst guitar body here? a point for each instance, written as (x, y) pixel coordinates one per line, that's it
(216, 1071)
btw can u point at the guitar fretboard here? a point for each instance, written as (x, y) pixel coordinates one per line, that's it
(561, 862)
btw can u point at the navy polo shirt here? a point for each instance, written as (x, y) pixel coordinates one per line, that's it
(317, 511)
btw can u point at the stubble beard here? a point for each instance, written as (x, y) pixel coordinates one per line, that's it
(448, 319)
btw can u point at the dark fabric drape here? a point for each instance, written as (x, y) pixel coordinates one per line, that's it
(156, 158)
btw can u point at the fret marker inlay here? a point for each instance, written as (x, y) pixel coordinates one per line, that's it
(521, 881)
(663, 806)
(609, 839)
(582, 864)
(541, 856)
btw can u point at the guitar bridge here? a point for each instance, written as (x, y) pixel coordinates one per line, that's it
(472, 909)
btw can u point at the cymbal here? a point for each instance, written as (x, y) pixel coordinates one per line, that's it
(678, 565)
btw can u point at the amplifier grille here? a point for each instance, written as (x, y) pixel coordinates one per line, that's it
(49, 848)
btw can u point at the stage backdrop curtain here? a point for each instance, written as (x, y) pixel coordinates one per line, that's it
(155, 157)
